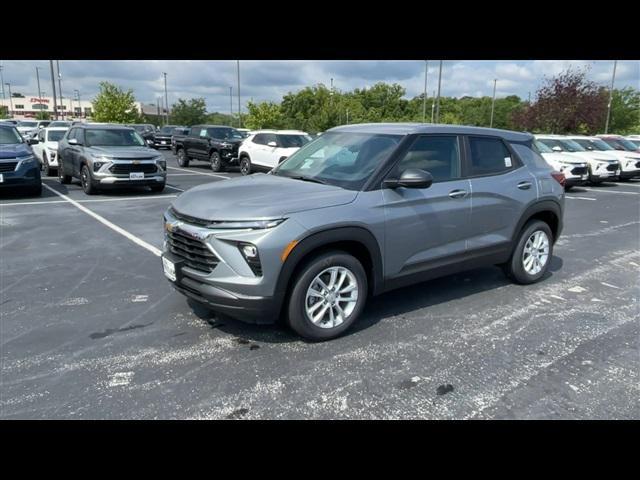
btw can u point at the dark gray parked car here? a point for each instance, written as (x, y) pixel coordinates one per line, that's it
(107, 156)
(359, 211)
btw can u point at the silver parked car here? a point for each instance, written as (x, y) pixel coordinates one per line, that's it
(104, 156)
(361, 210)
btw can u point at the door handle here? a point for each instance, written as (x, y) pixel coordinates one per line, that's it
(458, 193)
(524, 185)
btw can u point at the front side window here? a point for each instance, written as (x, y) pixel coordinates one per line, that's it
(259, 139)
(9, 136)
(489, 156)
(113, 138)
(343, 159)
(293, 141)
(440, 156)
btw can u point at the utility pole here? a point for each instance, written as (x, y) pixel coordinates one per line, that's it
(493, 102)
(529, 101)
(38, 79)
(60, 87)
(438, 99)
(424, 99)
(2, 82)
(239, 107)
(77, 92)
(613, 79)
(53, 86)
(159, 101)
(10, 100)
(231, 106)
(433, 105)
(347, 116)
(166, 99)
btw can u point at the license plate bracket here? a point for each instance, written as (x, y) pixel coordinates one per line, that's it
(136, 176)
(1, 178)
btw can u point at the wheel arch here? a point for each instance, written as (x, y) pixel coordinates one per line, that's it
(548, 211)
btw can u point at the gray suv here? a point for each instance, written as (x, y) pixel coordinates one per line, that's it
(361, 210)
(104, 156)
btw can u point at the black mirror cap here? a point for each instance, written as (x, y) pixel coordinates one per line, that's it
(33, 141)
(411, 178)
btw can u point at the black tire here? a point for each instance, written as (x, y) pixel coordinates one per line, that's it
(64, 179)
(297, 316)
(568, 187)
(245, 166)
(514, 268)
(183, 160)
(157, 188)
(36, 191)
(48, 171)
(216, 162)
(86, 181)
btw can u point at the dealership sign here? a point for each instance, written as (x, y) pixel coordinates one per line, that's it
(39, 100)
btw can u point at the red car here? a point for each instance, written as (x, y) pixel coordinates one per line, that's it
(620, 143)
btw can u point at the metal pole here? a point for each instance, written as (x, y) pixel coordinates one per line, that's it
(2, 82)
(231, 106)
(613, 79)
(60, 87)
(433, 105)
(159, 101)
(438, 99)
(166, 99)
(38, 78)
(77, 92)
(493, 102)
(239, 107)
(10, 100)
(529, 101)
(53, 85)
(424, 99)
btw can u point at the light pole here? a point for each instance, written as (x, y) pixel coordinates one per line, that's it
(493, 102)
(2, 82)
(438, 99)
(433, 105)
(60, 87)
(613, 79)
(38, 79)
(231, 106)
(10, 100)
(239, 107)
(347, 116)
(424, 99)
(166, 99)
(53, 86)
(77, 92)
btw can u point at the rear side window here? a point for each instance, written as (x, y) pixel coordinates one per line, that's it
(440, 156)
(530, 156)
(489, 156)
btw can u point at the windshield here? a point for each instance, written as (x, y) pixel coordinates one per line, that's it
(55, 135)
(564, 144)
(28, 124)
(113, 138)
(291, 141)
(9, 136)
(225, 133)
(346, 160)
(59, 124)
(543, 147)
(167, 129)
(635, 142)
(628, 144)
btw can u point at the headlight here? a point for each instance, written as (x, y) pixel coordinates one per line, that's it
(252, 257)
(29, 161)
(162, 163)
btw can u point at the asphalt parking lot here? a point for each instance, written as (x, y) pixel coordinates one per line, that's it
(90, 328)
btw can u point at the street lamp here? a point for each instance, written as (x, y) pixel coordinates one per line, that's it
(493, 102)
(10, 100)
(38, 78)
(613, 79)
(166, 99)
(438, 99)
(77, 92)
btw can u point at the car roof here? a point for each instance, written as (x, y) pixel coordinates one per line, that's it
(55, 129)
(609, 135)
(109, 126)
(417, 128)
(279, 132)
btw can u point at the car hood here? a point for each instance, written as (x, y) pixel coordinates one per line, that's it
(14, 150)
(122, 152)
(622, 155)
(562, 157)
(592, 156)
(259, 196)
(51, 145)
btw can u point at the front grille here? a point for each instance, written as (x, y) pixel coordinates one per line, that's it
(579, 170)
(638, 164)
(194, 252)
(8, 166)
(200, 222)
(612, 167)
(126, 168)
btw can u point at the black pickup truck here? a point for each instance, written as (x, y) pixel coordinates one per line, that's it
(215, 144)
(162, 138)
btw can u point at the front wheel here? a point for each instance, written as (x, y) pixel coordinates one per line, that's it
(87, 184)
(183, 161)
(245, 166)
(47, 168)
(328, 296)
(216, 162)
(532, 255)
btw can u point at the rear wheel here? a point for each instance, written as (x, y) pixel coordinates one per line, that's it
(183, 161)
(245, 166)
(532, 255)
(328, 296)
(216, 162)
(87, 183)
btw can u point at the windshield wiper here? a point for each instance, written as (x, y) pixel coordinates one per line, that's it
(305, 178)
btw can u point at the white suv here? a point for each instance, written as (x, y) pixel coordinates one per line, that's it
(267, 148)
(46, 148)
(576, 170)
(602, 166)
(629, 161)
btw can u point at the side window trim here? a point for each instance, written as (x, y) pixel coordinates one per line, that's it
(467, 167)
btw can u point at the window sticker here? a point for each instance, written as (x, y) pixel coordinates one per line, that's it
(507, 162)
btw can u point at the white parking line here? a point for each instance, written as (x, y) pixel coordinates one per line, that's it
(174, 188)
(607, 191)
(106, 222)
(581, 198)
(199, 173)
(96, 200)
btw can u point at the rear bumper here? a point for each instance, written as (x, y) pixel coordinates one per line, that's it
(250, 309)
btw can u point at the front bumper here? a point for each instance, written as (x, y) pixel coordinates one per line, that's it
(250, 309)
(162, 142)
(122, 180)
(21, 177)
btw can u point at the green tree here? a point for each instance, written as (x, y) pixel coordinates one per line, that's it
(43, 116)
(625, 111)
(263, 115)
(114, 105)
(190, 112)
(217, 118)
(4, 111)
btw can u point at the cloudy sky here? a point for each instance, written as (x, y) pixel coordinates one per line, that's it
(269, 80)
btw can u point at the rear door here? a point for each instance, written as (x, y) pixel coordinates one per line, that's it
(430, 225)
(501, 188)
(192, 142)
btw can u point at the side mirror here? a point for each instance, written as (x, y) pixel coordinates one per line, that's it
(410, 178)
(272, 144)
(73, 141)
(556, 149)
(33, 141)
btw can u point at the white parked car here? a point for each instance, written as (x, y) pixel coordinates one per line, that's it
(267, 148)
(634, 139)
(29, 128)
(629, 161)
(602, 166)
(576, 170)
(46, 150)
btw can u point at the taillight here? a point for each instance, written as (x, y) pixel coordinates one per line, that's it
(559, 177)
